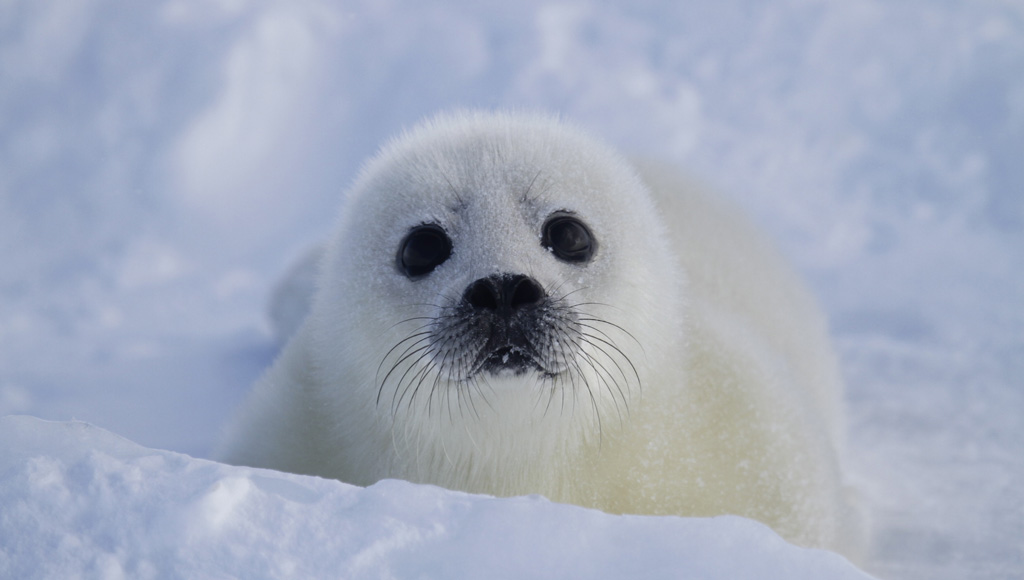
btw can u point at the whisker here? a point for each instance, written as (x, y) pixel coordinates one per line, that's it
(392, 349)
(616, 326)
(606, 377)
(419, 351)
(409, 352)
(612, 346)
(526, 194)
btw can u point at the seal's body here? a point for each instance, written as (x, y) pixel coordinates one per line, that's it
(509, 307)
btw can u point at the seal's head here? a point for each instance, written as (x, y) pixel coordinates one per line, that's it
(490, 273)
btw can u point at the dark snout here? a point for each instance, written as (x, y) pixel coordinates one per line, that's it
(505, 294)
(505, 308)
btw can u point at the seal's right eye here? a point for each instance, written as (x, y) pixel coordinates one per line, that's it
(568, 238)
(424, 248)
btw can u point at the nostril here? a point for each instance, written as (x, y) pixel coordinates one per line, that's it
(506, 292)
(482, 294)
(522, 291)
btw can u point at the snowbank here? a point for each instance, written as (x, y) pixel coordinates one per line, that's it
(80, 501)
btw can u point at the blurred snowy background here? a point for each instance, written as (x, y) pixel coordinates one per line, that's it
(162, 162)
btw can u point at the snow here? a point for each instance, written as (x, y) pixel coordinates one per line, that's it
(162, 164)
(82, 501)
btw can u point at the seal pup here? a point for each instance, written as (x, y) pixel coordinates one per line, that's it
(507, 306)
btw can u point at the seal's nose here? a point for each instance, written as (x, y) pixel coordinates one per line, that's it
(504, 293)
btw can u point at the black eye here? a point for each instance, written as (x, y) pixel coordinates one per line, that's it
(423, 249)
(568, 238)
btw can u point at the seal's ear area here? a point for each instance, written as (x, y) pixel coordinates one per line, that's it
(568, 238)
(424, 248)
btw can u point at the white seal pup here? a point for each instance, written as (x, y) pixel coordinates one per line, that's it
(509, 307)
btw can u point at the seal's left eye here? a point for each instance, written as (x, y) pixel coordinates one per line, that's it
(424, 248)
(568, 238)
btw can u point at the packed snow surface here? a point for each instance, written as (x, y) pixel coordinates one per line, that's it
(162, 163)
(82, 501)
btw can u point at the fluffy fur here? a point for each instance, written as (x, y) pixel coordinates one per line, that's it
(694, 373)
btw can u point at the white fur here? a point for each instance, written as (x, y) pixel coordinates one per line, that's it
(737, 407)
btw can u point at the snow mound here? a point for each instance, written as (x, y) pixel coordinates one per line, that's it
(80, 501)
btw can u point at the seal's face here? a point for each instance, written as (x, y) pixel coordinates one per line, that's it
(502, 323)
(504, 265)
(507, 322)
